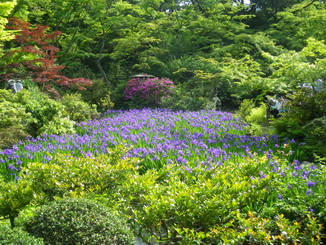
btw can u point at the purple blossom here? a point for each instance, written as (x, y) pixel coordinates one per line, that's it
(311, 210)
(311, 183)
(309, 191)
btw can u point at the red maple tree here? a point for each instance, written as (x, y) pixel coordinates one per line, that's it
(44, 69)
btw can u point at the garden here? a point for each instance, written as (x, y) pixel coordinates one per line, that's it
(162, 122)
(173, 177)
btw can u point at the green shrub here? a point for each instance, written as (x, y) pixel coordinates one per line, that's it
(303, 120)
(58, 125)
(106, 103)
(248, 202)
(14, 120)
(315, 136)
(11, 136)
(43, 110)
(78, 176)
(76, 109)
(31, 113)
(256, 117)
(17, 236)
(14, 196)
(12, 115)
(79, 221)
(181, 100)
(245, 108)
(13, 123)
(100, 94)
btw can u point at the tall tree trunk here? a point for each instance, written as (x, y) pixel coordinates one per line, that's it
(99, 66)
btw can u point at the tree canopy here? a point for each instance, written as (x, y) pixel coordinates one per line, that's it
(225, 48)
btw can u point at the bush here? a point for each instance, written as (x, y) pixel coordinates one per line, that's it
(58, 126)
(17, 237)
(245, 108)
(187, 101)
(98, 93)
(315, 136)
(79, 221)
(14, 196)
(303, 120)
(76, 109)
(255, 201)
(11, 136)
(256, 117)
(147, 92)
(13, 120)
(31, 113)
(77, 176)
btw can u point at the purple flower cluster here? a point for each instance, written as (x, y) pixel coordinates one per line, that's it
(150, 88)
(155, 136)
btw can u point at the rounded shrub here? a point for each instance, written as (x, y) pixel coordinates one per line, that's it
(17, 237)
(77, 109)
(78, 221)
(147, 92)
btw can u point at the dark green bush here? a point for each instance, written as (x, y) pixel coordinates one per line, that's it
(315, 135)
(79, 221)
(181, 100)
(16, 236)
(99, 94)
(303, 120)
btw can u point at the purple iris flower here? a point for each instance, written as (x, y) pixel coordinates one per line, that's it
(311, 183)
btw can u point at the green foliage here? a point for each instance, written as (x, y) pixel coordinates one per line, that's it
(106, 103)
(5, 10)
(301, 21)
(58, 125)
(182, 100)
(13, 197)
(17, 236)
(63, 176)
(245, 108)
(42, 109)
(42, 114)
(33, 113)
(11, 136)
(71, 176)
(315, 135)
(99, 94)
(256, 117)
(304, 119)
(231, 203)
(13, 120)
(79, 221)
(76, 109)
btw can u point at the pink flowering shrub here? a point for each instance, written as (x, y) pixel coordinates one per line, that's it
(147, 92)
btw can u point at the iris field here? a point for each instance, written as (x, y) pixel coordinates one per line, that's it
(199, 177)
(157, 137)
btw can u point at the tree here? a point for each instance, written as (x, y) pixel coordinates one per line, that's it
(5, 9)
(42, 65)
(298, 23)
